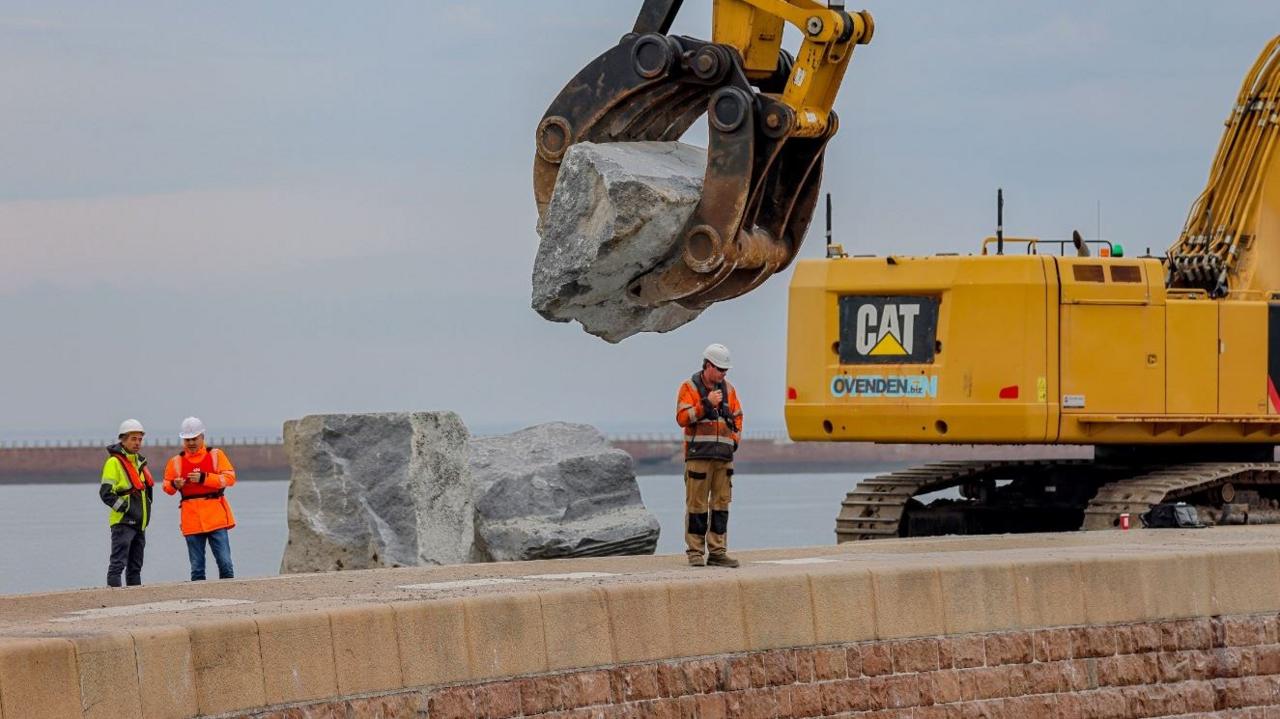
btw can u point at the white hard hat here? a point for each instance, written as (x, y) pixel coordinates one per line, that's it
(191, 427)
(718, 355)
(130, 425)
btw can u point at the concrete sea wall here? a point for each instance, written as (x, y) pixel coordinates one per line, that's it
(1103, 624)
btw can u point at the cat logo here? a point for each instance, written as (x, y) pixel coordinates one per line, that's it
(886, 332)
(887, 329)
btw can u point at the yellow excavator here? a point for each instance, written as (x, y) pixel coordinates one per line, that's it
(1167, 366)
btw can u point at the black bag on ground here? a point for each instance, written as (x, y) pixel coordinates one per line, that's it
(1168, 515)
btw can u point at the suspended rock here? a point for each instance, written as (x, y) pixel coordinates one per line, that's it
(616, 212)
(557, 490)
(378, 490)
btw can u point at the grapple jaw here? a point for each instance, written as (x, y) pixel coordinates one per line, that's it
(761, 183)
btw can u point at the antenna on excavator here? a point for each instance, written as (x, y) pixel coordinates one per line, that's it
(828, 219)
(999, 220)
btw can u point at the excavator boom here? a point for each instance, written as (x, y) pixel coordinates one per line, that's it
(1218, 250)
(769, 119)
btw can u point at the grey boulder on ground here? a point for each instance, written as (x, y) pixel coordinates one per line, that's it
(557, 490)
(616, 212)
(378, 490)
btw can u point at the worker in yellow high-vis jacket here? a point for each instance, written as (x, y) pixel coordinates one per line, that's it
(126, 490)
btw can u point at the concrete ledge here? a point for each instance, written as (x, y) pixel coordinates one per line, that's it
(228, 665)
(432, 641)
(106, 691)
(391, 630)
(39, 678)
(166, 669)
(297, 657)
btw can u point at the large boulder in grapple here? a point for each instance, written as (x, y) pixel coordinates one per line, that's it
(616, 212)
(557, 490)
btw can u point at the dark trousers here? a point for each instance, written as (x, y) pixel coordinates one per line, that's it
(220, 542)
(127, 544)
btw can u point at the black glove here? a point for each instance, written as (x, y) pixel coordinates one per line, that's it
(709, 411)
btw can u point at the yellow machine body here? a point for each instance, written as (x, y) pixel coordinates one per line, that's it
(1024, 348)
(1038, 348)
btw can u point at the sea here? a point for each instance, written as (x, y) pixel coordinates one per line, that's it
(56, 536)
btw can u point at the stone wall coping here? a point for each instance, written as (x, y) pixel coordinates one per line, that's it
(212, 648)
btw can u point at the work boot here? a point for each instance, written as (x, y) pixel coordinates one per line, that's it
(697, 560)
(722, 560)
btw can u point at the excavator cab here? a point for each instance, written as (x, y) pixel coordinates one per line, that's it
(769, 120)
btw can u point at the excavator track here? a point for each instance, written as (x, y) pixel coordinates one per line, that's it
(1135, 495)
(875, 508)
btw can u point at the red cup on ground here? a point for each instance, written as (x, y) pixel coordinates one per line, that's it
(1124, 520)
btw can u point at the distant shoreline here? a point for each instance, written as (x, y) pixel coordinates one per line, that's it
(653, 455)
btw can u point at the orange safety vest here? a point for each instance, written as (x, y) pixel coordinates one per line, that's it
(203, 508)
(139, 483)
(705, 437)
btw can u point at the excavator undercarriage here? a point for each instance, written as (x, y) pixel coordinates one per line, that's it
(1015, 496)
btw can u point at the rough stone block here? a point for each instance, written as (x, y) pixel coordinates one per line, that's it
(978, 597)
(915, 655)
(706, 617)
(967, 651)
(777, 611)
(108, 675)
(432, 638)
(505, 635)
(228, 665)
(1049, 593)
(378, 490)
(1245, 580)
(843, 605)
(616, 213)
(576, 623)
(166, 669)
(909, 602)
(638, 619)
(38, 679)
(585, 689)
(297, 657)
(366, 649)
(873, 659)
(557, 490)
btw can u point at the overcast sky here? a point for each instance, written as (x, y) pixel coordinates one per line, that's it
(254, 211)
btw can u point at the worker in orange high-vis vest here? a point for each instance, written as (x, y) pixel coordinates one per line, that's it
(202, 475)
(707, 408)
(126, 490)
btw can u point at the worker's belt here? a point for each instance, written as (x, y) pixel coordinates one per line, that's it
(216, 495)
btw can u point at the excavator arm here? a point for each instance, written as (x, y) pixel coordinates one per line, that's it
(1231, 241)
(769, 119)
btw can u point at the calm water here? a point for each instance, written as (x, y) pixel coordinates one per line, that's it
(57, 536)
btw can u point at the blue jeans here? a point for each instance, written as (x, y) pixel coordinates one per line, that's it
(220, 543)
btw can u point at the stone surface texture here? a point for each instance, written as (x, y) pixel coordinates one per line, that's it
(378, 490)
(557, 490)
(616, 212)
(1123, 671)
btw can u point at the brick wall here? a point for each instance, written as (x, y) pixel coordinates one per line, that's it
(1219, 666)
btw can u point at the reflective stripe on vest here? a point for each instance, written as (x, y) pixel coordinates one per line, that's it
(708, 438)
(138, 482)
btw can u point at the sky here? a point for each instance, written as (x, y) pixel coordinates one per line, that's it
(251, 212)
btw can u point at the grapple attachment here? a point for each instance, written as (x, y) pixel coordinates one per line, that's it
(761, 181)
